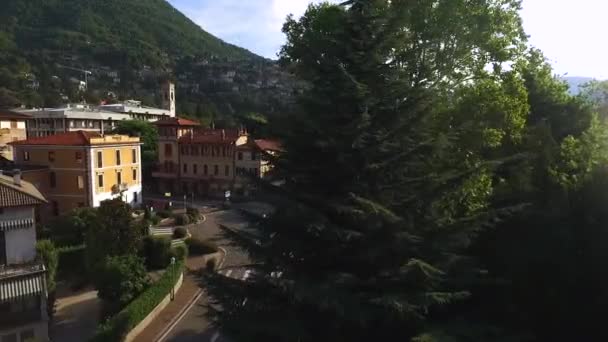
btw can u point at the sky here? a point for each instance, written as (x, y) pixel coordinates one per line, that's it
(570, 33)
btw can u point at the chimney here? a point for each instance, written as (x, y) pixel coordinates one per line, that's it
(17, 177)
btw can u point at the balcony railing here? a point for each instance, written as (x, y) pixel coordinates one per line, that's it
(19, 281)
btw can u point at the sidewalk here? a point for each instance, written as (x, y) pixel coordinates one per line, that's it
(183, 297)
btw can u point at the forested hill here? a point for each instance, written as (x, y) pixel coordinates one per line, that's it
(129, 46)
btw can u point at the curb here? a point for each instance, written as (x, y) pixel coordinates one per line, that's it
(163, 334)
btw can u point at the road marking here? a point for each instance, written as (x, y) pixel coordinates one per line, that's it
(228, 273)
(246, 275)
(180, 316)
(215, 336)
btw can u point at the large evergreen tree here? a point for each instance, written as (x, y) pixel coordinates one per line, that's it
(385, 186)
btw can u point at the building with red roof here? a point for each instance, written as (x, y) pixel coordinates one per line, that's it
(206, 162)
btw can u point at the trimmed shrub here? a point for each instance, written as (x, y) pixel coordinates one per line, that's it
(181, 219)
(157, 252)
(179, 252)
(164, 214)
(121, 279)
(155, 219)
(193, 214)
(72, 262)
(180, 233)
(200, 247)
(46, 251)
(117, 327)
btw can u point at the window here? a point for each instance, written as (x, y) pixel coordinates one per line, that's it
(117, 157)
(227, 171)
(134, 156)
(134, 174)
(78, 157)
(168, 150)
(195, 169)
(99, 159)
(80, 182)
(193, 150)
(100, 180)
(118, 177)
(254, 156)
(53, 179)
(205, 170)
(135, 197)
(240, 155)
(185, 168)
(2, 248)
(55, 208)
(51, 156)
(26, 156)
(1, 211)
(216, 170)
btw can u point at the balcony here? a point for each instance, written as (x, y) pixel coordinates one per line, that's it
(22, 293)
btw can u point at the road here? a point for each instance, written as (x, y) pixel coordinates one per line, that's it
(194, 326)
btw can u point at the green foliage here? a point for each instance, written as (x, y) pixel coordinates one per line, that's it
(70, 229)
(46, 251)
(117, 327)
(157, 252)
(164, 213)
(179, 252)
(181, 219)
(180, 233)
(139, 128)
(113, 233)
(200, 247)
(193, 214)
(72, 262)
(121, 279)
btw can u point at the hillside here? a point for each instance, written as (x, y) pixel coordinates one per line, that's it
(128, 46)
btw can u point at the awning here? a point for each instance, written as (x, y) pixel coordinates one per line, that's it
(16, 224)
(12, 288)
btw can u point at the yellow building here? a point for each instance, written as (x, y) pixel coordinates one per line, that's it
(12, 128)
(82, 168)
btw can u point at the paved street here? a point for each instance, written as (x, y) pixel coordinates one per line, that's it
(194, 326)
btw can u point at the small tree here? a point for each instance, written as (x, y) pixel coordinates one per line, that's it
(121, 279)
(157, 251)
(71, 229)
(46, 251)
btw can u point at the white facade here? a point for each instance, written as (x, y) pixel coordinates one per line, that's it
(8, 124)
(20, 242)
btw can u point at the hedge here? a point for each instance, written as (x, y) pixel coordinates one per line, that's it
(72, 261)
(200, 247)
(117, 327)
(157, 251)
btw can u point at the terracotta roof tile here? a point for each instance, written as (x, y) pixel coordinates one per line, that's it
(12, 195)
(78, 138)
(268, 145)
(176, 122)
(212, 136)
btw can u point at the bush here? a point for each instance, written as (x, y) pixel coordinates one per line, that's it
(200, 247)
(117, 327)
(180, 233)
(193, 214)
(46, 251)
(164, 214)
(181, 219)
(157, 252)
(155, 219)
(179, 252)
(72, 262)
(121, 279)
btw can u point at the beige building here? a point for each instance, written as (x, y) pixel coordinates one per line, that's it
(23, 292)
(206, 162)
(12, 128)
(82, 169)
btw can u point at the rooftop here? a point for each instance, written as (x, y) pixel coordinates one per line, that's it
(77, 138)
(268, 145)
(11, 115)
(13, 194)
(212, 136)
(177, 122)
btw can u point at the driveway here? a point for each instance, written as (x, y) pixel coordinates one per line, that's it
(76, 316)
(194, 326)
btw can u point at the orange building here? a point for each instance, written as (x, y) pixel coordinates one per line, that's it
(12, 128)
(206, 162)
(81, 169)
